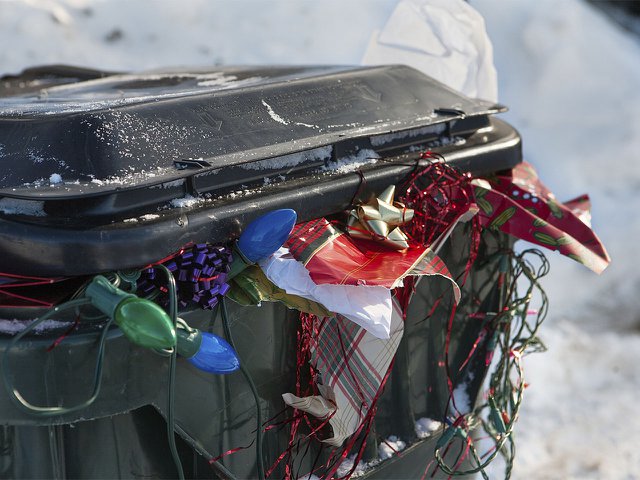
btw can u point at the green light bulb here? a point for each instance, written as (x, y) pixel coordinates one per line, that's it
(145, 323)
(142, 321)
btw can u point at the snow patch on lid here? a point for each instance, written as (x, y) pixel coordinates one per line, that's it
(387, 449)
(379, 140)
(186, 201)
(360, 469)
(456, 140)
(461, 402)
(353, 162)
(133, 177)
(425, 427)
(171, 184)
(18, 206)
(84, 96)
(220, 81)
(13, 327)
(291, 160)
(274, 115)
(390, 447)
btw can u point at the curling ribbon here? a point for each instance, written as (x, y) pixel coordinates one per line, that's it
(200, 273)
(380, 219)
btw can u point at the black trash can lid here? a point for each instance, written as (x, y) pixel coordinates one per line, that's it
(71, 135)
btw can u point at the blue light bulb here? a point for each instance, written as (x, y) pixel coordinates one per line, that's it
(215, 355)
(266, 234)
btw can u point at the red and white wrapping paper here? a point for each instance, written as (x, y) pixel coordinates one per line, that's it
(352, 364)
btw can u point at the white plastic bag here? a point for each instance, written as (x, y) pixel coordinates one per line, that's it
(446, 39)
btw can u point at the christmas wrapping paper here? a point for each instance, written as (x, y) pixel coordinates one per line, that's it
(332, 257)
(520, 205)
(351, 365)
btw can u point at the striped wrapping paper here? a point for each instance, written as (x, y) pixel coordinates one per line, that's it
(351, 365)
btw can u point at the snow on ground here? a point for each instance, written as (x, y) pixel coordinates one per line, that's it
(570, 77)
(121, 34)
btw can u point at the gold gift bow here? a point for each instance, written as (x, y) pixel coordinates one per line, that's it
(380, 219)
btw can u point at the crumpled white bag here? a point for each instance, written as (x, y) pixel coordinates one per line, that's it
(368, 306)
(446, 39)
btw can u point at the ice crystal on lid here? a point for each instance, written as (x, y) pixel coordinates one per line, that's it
(55, 178)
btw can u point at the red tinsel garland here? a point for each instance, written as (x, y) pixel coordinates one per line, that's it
(439, 193)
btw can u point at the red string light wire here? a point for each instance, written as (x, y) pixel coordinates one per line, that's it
(13, 281)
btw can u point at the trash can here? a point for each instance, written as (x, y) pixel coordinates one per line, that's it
(107, 173)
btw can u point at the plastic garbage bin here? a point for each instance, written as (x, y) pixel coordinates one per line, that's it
(104, 172)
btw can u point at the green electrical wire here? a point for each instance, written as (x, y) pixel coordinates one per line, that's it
(515, 336)
(252, 386)
(173, 313)
(36, 410)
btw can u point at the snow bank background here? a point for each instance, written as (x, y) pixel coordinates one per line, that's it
(571, 78)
